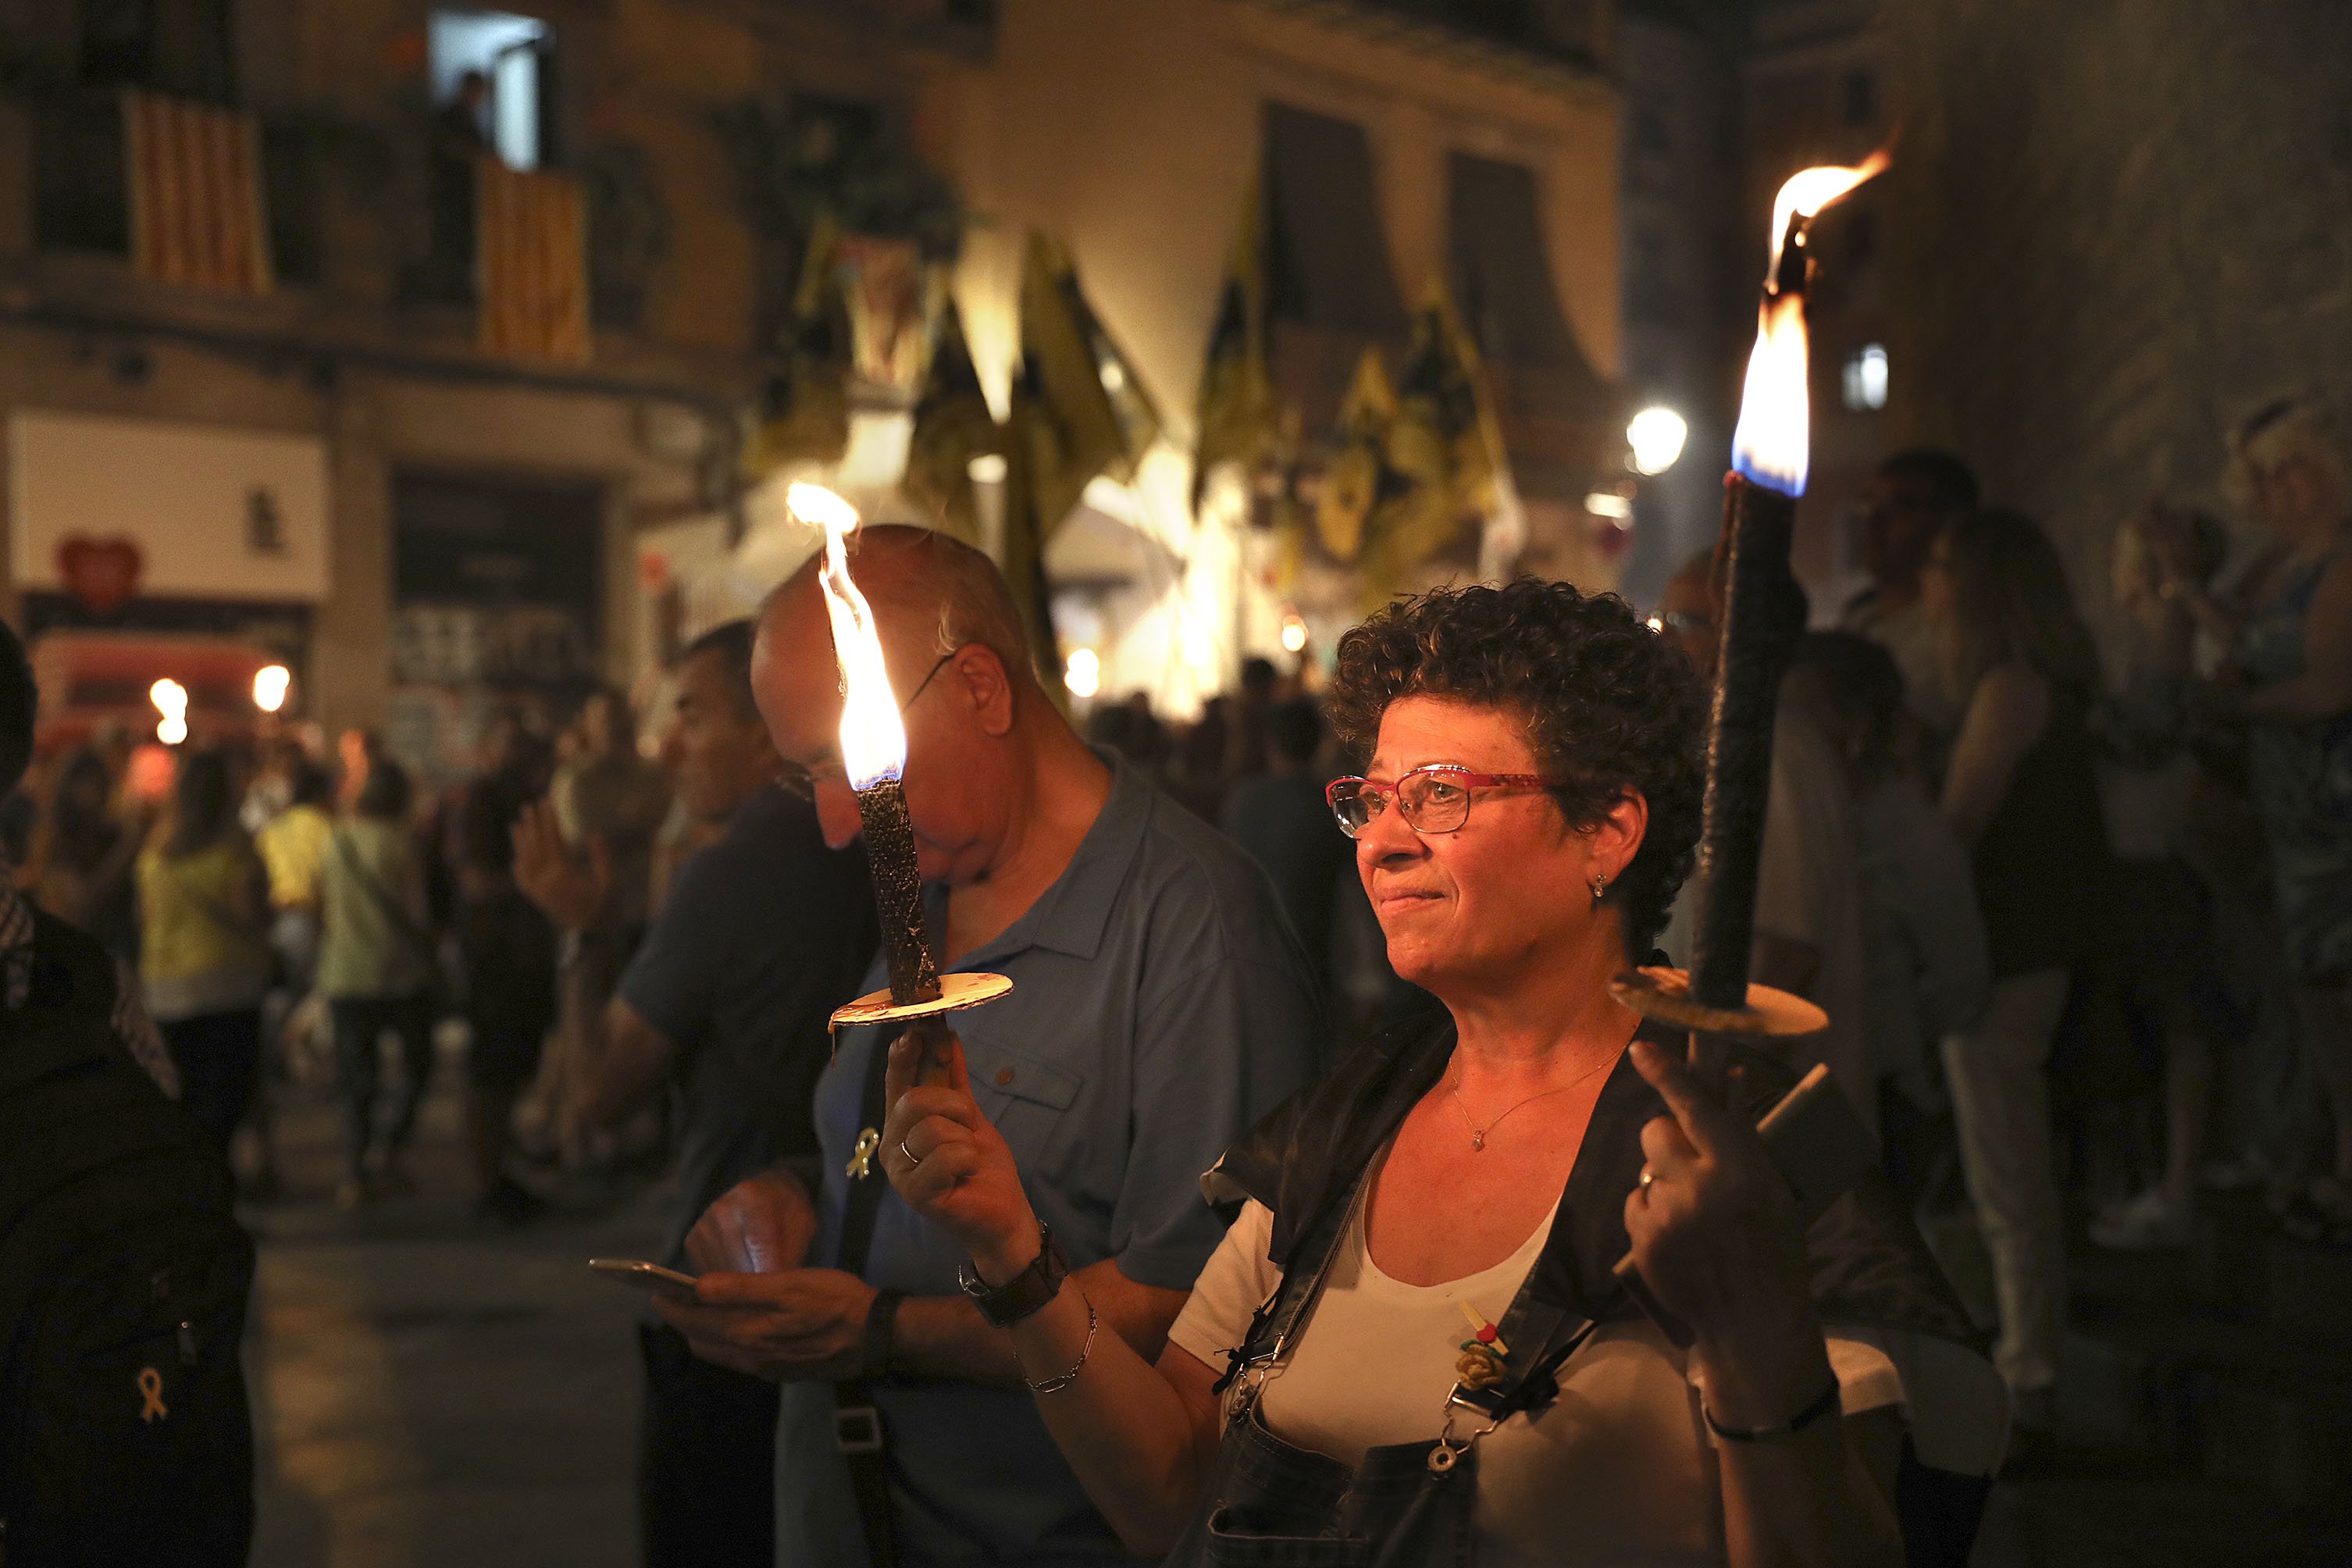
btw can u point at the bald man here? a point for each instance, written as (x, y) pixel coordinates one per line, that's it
(1161, 1007)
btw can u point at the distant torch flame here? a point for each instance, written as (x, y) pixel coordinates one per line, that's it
(1772, 443)
(873, 737)
(170, 700)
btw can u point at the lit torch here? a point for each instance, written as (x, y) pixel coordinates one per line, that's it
(874, 756)
(1816, 1139)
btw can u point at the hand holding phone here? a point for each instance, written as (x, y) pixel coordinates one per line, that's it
(649, 1276)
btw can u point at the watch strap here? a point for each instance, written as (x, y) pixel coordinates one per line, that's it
(881, 1334)
(1027, 1291)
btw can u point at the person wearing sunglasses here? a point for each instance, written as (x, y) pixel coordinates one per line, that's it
(1410, 1347)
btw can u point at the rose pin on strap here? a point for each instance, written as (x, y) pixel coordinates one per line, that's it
(874, 755)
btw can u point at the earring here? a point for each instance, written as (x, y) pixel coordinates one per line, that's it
(1599, 887)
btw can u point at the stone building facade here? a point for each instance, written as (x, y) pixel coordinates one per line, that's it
(1127, 131)
(2115, 230)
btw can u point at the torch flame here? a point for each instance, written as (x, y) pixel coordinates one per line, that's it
(1771, 445)
(1804, 193)
(873, 736)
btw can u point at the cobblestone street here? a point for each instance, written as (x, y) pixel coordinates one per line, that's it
(429, 1390)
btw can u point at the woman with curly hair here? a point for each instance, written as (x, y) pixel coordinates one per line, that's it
(1410, 1347)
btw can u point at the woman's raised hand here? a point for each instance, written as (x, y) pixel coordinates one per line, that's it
(951, 1165)
(1713, 1228)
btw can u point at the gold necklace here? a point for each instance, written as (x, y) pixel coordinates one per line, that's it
(1478, 1133)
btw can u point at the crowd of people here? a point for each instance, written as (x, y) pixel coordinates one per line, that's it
(2052, 901)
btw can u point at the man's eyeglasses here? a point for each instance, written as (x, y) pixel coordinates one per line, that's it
(802, 779)
(1434, 799)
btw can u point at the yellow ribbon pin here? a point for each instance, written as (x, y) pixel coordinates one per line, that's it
(151, 1391)
(861, 1159)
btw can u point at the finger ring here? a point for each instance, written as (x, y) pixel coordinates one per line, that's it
(1648, 1176)
(912, 1158)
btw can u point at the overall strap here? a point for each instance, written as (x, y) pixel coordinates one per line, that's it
(1274, 1328)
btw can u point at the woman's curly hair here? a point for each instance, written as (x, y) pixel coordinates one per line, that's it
(1608, 703)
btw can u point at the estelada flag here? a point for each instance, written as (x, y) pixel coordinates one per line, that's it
(804, 416)
(952, 425)
(1239, 419)
(1075, 429)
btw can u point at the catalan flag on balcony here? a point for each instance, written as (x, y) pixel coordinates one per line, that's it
(530, 240)
(195, 173)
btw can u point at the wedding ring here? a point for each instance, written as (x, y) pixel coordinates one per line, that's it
(912, 1158)
(1648, 1176)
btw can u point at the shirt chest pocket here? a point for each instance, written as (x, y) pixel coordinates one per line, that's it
(1019, 1092)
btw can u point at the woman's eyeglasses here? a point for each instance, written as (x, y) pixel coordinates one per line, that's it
(1434, 799)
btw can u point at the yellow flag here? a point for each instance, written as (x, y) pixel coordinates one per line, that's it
(1075, 432)
(1238, 415)
(806, 415)
(953, 426)
(1026, 533)
(1443, 444)
(1352, 482)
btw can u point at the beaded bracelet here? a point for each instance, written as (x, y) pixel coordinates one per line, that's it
(1061, 1381)
(1783, 1432)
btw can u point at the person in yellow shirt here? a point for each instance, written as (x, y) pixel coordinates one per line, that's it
(203, 955)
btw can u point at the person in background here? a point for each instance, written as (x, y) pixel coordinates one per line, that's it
(83, 854)
(1808, 908)
(2023, 795)
(376, 971)
(1160, 1007)
(2288, 679)
(1197, 775)
(203, 951)
(1929, 974)
(726, 1004)
(1914, 496)
(1280, 817)
(2157, 979)
(1251, 747)
(293, 846)
(509, 955)
(608, 803)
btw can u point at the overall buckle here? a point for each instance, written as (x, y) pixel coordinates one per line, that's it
(857, 1429)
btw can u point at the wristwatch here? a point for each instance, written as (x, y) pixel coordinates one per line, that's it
(1006, 1304)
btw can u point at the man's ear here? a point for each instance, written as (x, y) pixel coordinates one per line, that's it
(980, 677)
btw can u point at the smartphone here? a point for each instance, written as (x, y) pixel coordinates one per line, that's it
(650, 1276)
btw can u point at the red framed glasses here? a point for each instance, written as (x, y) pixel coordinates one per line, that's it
(1434, 799)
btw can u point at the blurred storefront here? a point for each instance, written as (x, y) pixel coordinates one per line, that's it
(533, 291)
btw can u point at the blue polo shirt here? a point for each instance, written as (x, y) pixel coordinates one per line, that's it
(1161, 1007)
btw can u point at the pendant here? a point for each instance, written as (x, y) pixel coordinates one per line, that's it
(1477, 1142)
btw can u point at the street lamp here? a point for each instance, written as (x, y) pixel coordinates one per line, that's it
(1656, 436)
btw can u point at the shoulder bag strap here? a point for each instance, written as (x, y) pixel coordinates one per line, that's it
(857, 1422)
